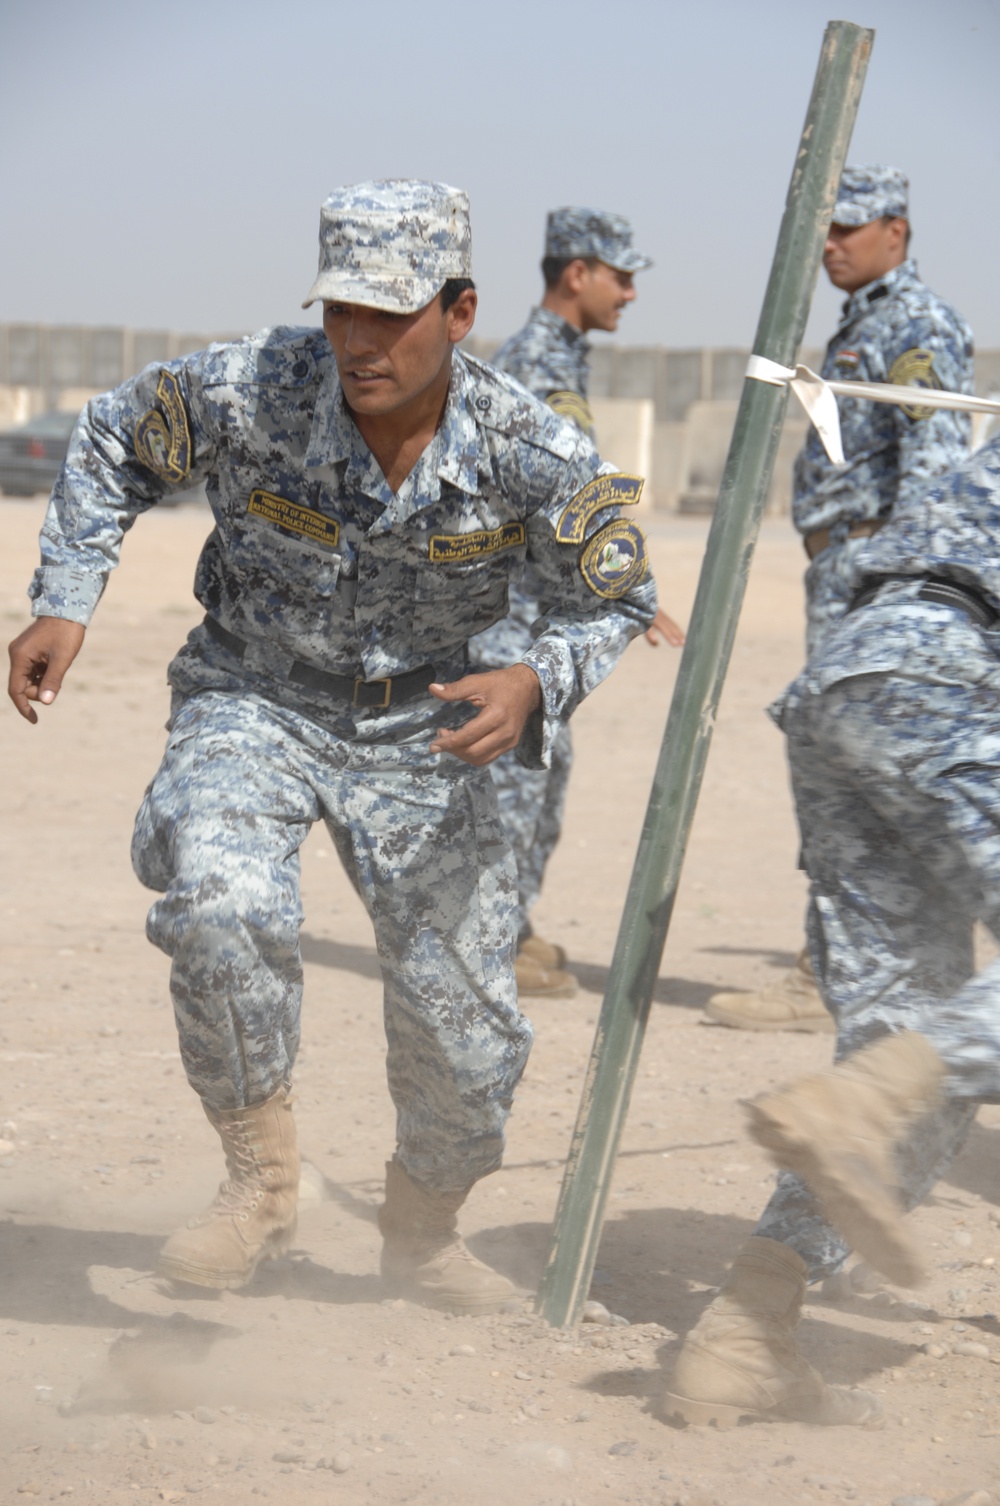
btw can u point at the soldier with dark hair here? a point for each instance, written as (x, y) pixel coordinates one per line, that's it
(892, 329)
(588, 269)
(375, 493)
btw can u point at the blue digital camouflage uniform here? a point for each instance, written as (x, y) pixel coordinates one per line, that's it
(894, 746)
(893, 330)
(549, 357)
(316, 569)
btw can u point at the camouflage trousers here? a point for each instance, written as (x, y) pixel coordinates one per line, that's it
(219, 831)
(897, 787)
(531, 804)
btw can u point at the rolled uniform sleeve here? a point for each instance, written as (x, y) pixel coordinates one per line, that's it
(130, 447)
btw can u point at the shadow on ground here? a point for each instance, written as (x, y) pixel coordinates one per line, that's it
(687, 993)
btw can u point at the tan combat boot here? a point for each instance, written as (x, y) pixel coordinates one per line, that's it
(424, 1258)
(541, 979)
(548, 953)
(793, 1003)
(252, 1217)
(740, 1360)
(838, 1130)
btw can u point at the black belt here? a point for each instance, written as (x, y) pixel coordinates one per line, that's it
(948, 592)
(371, 695)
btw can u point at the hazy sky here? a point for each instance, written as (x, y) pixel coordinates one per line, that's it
(163, 166)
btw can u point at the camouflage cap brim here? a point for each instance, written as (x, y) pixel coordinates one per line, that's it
(629, 261)
(393, 294)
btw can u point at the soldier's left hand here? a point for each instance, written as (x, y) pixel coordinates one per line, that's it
(666, 628)
(507, 698)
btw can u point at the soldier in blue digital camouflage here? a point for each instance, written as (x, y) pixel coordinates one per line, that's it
(375, 495)
(892, 329)
(588, 269)
(893, 735)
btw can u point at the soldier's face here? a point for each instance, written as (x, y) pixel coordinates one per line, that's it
(855, 255)
(395, 363)
(604, 292)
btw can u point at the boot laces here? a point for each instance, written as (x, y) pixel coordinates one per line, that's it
(245, 1187)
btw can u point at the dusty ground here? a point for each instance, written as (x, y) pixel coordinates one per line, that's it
(309, 1386)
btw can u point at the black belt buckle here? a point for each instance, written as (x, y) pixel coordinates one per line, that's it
(384, 687)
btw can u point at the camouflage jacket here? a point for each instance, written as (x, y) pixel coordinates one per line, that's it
(951, 532)
(313, 559)
(549, 357)
(894, 330)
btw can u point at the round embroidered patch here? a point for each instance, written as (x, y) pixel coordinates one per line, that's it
(572, 406)
(914, 368)
(614, 560)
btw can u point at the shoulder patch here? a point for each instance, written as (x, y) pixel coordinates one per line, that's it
(295, 517)
(163, 435)
(615, 559)
(914, 368)
(616, 490)
(569, 404)
(455, 548)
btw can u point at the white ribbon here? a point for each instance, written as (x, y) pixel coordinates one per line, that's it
(816, 395)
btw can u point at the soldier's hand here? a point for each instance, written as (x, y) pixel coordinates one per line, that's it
(39, 658)
(666, 628)
(507, 698)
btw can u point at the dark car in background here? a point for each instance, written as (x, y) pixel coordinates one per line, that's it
(32, 454)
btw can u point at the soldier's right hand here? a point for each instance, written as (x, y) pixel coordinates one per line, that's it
(39, 658)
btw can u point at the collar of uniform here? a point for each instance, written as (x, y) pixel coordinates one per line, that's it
(334, 437)
(882, 287)
(331, 437)
(560, 326)
(451, 456)
(459, 431)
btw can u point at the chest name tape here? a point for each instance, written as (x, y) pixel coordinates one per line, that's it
(292, 516)
(453, 548)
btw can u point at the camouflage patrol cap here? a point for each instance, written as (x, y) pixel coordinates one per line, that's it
(593, 232)
(391, 244)
(867, 193)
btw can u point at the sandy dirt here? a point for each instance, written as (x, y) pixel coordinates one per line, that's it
(310, 1386)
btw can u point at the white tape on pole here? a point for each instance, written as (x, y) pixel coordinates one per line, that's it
(816, 395)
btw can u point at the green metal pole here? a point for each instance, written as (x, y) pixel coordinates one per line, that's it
(653, 887)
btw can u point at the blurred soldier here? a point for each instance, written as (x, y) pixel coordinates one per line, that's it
(893, 736)
(374, 493)
(588, 269)
(892, 329)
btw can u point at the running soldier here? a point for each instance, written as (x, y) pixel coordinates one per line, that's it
(375, 493)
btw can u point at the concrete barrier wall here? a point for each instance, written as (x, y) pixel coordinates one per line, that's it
(665, 414)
